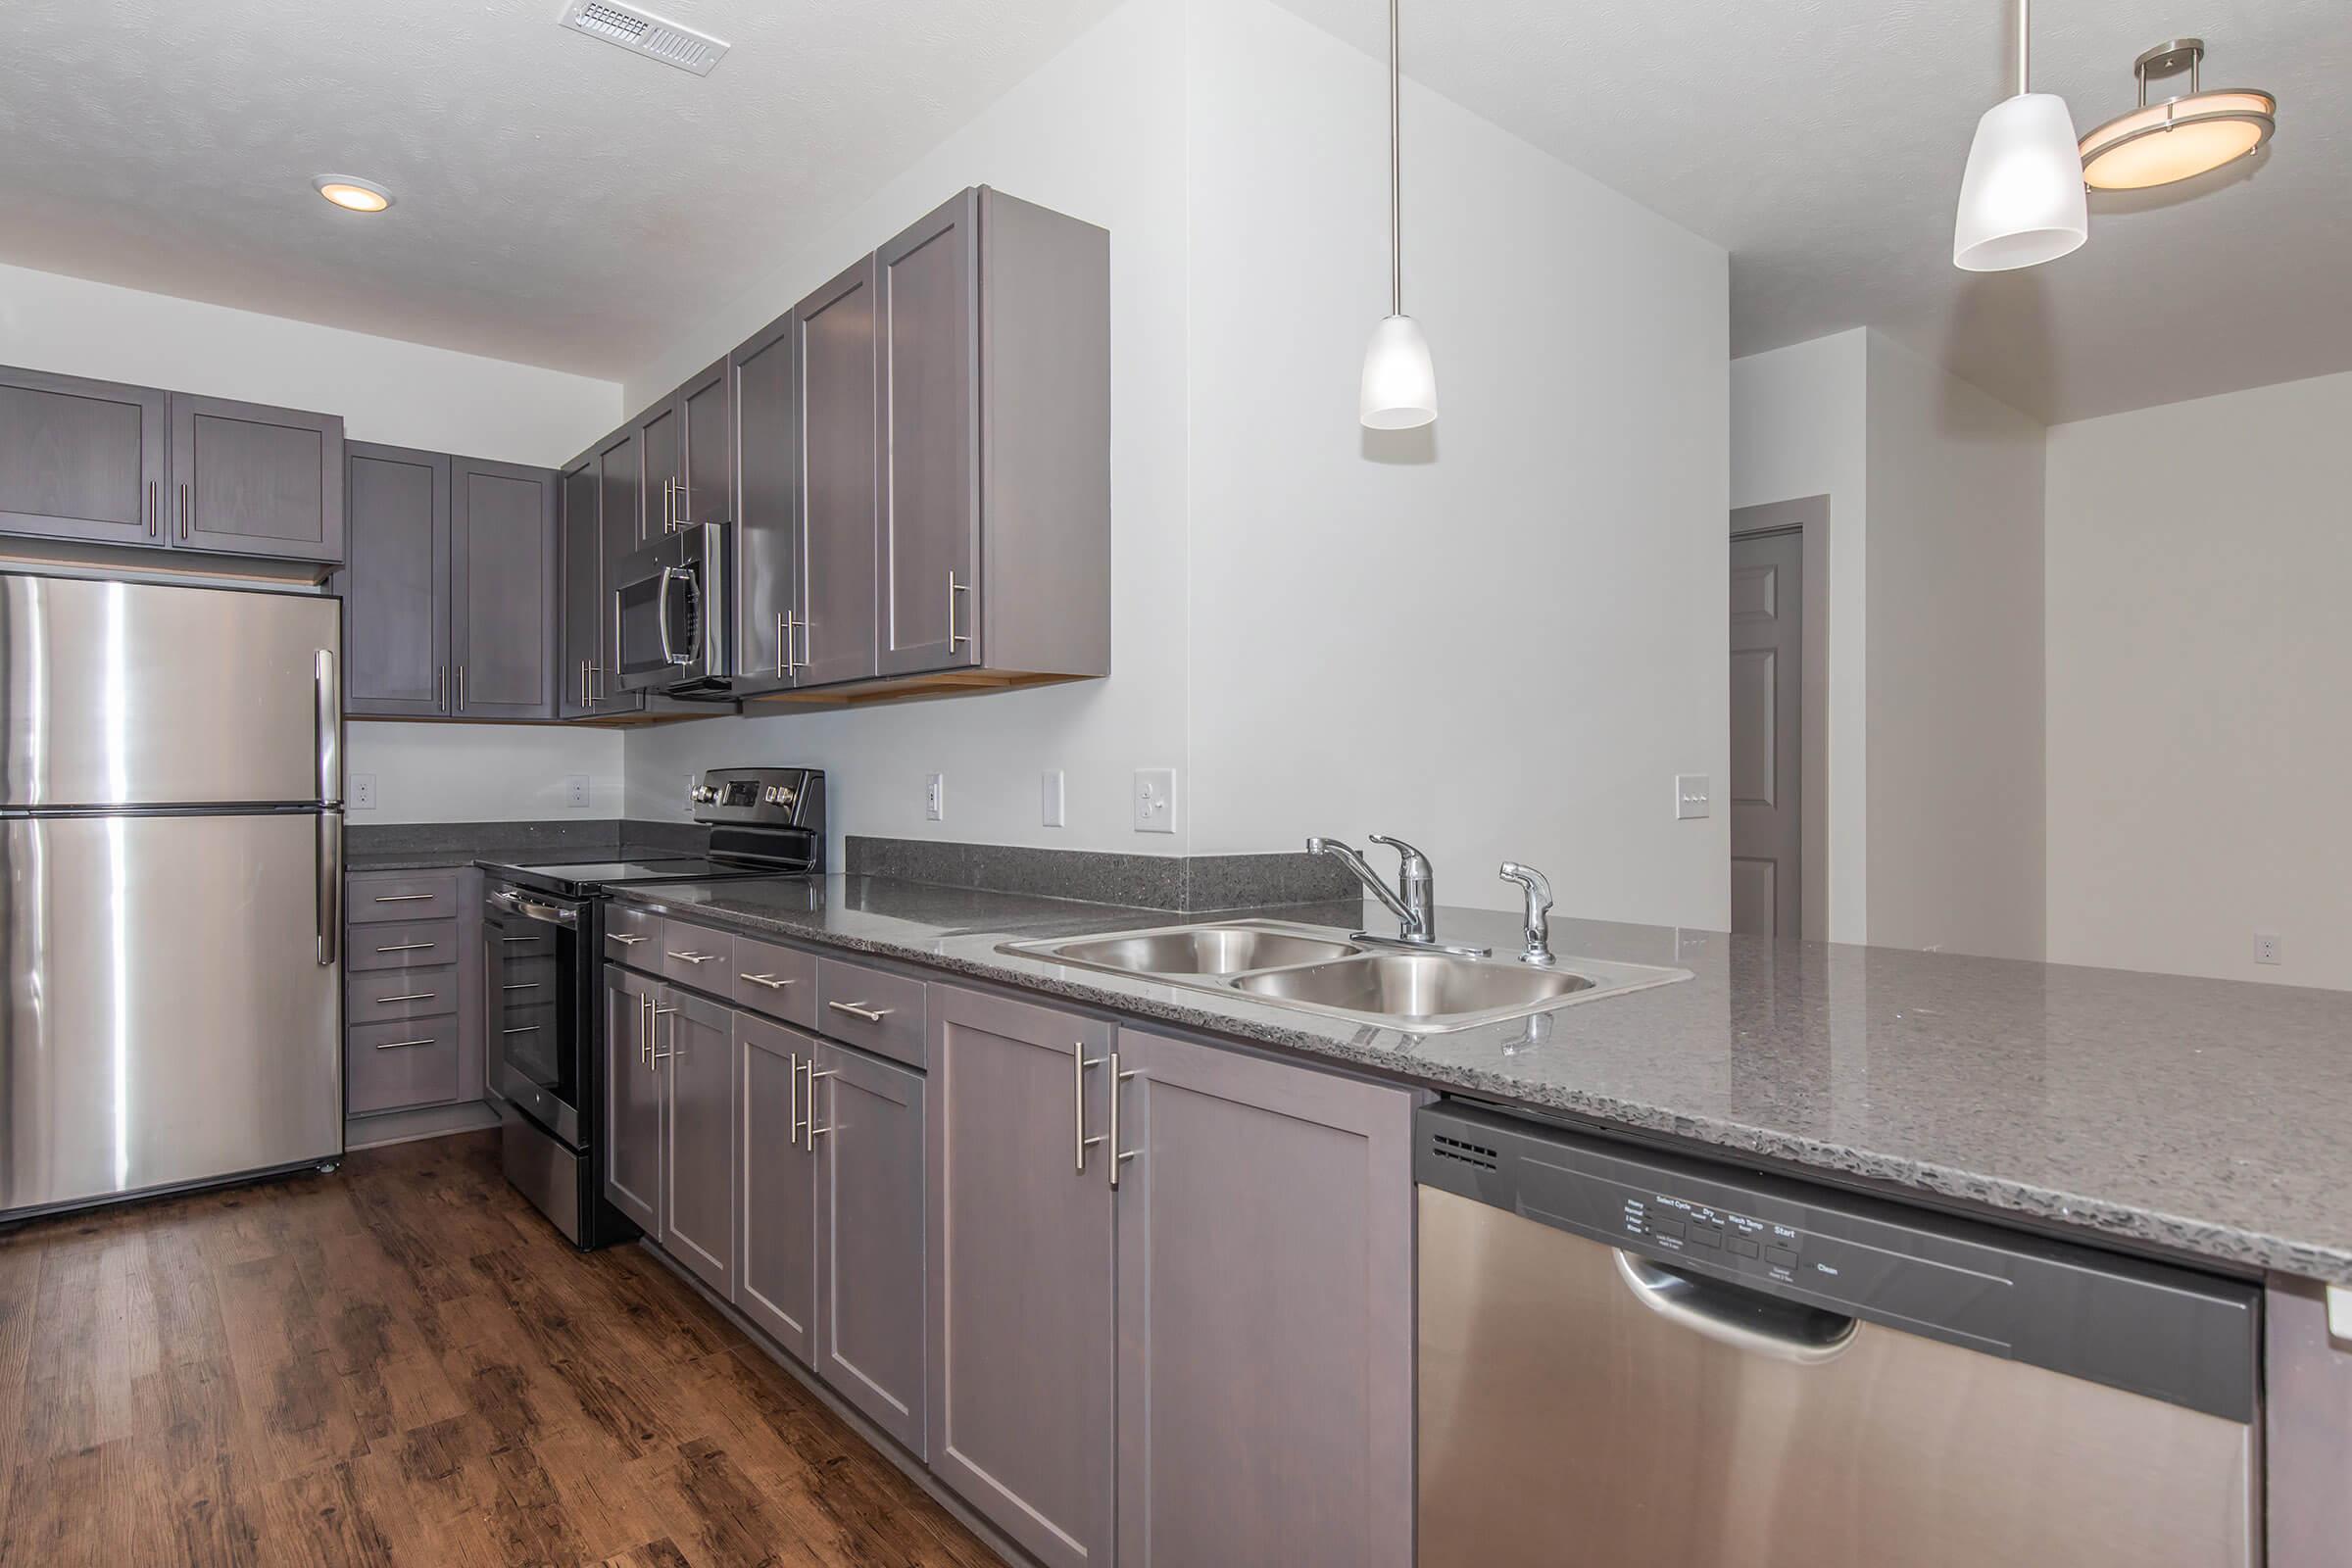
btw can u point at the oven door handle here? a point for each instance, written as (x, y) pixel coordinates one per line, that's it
(669, 655)
(513, 902)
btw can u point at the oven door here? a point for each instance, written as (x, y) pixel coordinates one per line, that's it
(534, 949)
(669, 606)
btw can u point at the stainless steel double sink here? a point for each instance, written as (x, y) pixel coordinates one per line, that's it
(1316, 971)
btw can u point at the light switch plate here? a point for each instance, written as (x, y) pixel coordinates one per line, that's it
(1155, 800)
(363, 792)
(1692, 797)
(1050, 797)
(575, 790)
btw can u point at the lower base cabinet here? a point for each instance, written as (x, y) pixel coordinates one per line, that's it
(776, 1280)
(633, 1101)
(694, 1049)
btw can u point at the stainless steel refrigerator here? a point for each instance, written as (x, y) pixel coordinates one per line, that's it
(172, 845)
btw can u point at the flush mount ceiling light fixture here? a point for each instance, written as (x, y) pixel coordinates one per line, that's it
(353, 195)
(2179, 138)
(2022, 201)
(1400, 389)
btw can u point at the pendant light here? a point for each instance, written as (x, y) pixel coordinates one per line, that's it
(1401, 384)
(2022, 201)
(2180, 137)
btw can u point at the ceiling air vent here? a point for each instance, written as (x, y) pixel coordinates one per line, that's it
(642, 32)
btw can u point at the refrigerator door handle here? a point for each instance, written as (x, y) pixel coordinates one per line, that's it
(327, 723)
(330, 888)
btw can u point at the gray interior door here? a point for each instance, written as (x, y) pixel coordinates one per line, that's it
(872, 1324)
(582, 569)
(1021, 1271)
(396, 587)
(833, 355)
(767, 603)
(632, 1111)
(1767, 683)
(929, 551)
(81, 460)
(620, 527)
(775, 1279)
(1265, 1313)
(253, 480)
(503, 590)
(697, 1047)
(167, 1018)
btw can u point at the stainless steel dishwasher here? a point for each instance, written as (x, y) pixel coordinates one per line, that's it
(1628, 1357)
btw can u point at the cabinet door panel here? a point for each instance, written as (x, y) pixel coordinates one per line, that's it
(81, 460)
(504, 590)
(776, 1281)
(632, 1100)
(1265, 1312)
(1021, 1303)
(833, 358)
(928, 291)
(661, 448)
(768, 578)
(873, 1325)
(396, 585)
(620, 521)
(707, 465)
(253, 480)
(697, 1047)
(582, 567)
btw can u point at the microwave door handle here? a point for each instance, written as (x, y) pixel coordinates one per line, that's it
(662, 615)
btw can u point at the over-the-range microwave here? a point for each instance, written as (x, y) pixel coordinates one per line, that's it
(670, 601)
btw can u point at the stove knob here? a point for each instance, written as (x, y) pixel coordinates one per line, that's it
(704, 794)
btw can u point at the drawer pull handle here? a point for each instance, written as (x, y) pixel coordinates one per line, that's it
(858, 1010)
(408, 947)
(403, 1045)
(694, 957)
(625, 940)
(404, 897)
(521, 1029)
(767, 980)
(521, 985)
(517, 938)
(407, 996)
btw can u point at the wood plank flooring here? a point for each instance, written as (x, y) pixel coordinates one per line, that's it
(398, 1364)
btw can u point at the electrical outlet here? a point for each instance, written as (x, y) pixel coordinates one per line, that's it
(363, 792)
(575, 790)
(1692, 796)
(935, 798)
(1049, 798)
(1155, 800)
(2266, 947)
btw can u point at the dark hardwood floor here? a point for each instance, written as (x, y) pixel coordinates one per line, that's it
(403, 1364)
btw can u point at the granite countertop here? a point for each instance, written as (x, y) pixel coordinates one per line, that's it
(442, 846)
(2207, 1117)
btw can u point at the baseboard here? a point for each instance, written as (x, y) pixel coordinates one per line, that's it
(426, 1121)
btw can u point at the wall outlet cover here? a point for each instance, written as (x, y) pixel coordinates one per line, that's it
(1694, 797)
(575, 790)
(1049, 798)
(362, 792)
(935, 798)
(1155, 800)
(2265, 947)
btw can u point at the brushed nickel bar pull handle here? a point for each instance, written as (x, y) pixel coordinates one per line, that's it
(694, 957)
(671, 1013)
(767, 980)
(623, 937)
(151, 508)
(407, 996)
(793, 1139)
(403, 898)
(504, 939)
(1118, 1156)
(858, 1010)
(461, 688)
(521, 985)
(521, 1029)
(783, 646)
(954, 637)
(645, 1049)
(815, 1131)
(436, 688)
(1079, 1063)
(420, 947)
(403, 1045)
(187, 508)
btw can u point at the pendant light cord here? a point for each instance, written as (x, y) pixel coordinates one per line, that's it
(1396, 183)
(2025, 47)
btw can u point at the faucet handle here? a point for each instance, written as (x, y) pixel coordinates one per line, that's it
(1538, 885)
(1404, 851)
(1319, 845)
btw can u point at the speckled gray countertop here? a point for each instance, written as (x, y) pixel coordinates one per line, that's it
(2209, 1117)
(440, 845)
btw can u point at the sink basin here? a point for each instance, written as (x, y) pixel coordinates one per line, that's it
(1213, 949)
(1415, 987)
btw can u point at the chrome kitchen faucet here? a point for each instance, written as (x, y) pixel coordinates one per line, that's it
(1414, 902)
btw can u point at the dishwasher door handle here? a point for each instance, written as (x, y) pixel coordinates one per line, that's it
(1743, 1319)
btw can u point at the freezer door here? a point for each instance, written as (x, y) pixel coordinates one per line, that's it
(173, 1010)
(142, 694)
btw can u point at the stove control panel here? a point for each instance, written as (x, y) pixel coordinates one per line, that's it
(761, 797)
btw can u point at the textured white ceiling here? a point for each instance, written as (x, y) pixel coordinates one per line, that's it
(560, 201)
(1820, 142)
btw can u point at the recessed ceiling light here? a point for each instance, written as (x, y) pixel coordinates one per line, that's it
(353, 195)
(2156, 144)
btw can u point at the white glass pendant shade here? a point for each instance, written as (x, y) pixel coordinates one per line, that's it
(1401, 382)
(2022, 201)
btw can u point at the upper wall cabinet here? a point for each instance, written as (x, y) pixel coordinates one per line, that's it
(582, 569)
(395, 590)
(503, 589)
(97, 463)
(686, 475)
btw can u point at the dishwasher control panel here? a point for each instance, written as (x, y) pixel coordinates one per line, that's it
(1720, 1236)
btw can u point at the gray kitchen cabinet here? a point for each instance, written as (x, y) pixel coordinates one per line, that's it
(396, 621)
(695, 1047)
(2306, 1427)
(707, 463)
(775, 1277)
(415, 1031)
(927, 359)
(582, 565)
(832, 349)
(633, 1097)
(1265, 1312)
(662, 448)
(621, 526)
(248, 479)
(768, 588)
(503, 590)
(81, 460)
(867, 1125)
(1022, 1271)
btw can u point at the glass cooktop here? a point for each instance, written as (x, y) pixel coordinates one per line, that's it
(589, 875)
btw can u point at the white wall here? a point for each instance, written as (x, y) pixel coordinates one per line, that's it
(402, 393)
(1800, 422)
(1479, 637)
(1955, 664)
(2199, 726)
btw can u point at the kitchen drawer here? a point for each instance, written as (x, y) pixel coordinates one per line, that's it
(401, 993)
(426, 896)
(405, 1063)
(697, 956)
(633, 937)
(780, 982)
(872, 1009)
(406, 945)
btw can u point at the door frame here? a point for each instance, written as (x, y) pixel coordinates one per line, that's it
(1809, 517)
